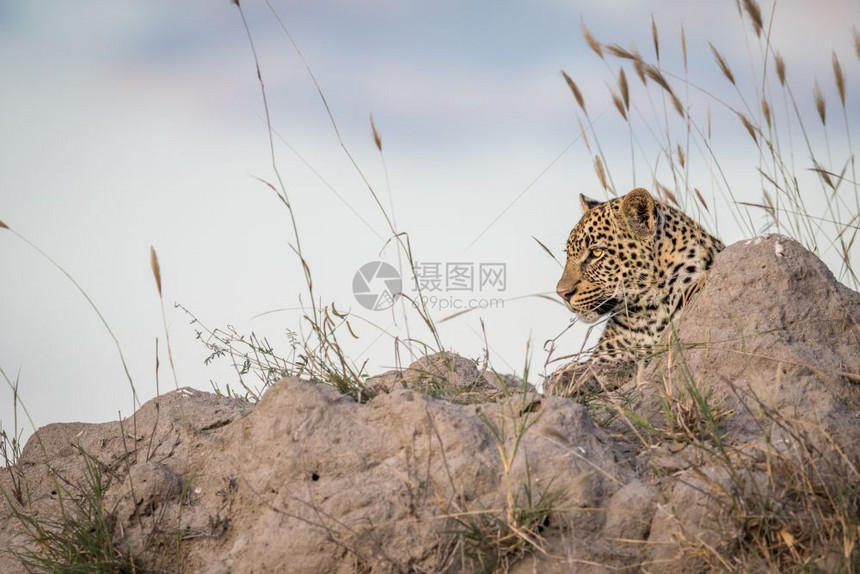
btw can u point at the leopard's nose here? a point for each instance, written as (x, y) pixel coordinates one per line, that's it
(564, 292)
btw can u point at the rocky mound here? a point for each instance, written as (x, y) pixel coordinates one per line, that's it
(735, 449)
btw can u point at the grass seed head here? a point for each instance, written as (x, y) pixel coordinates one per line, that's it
(839, 76)
(721, 62)
(749, 126)
(575, 90)
(655, 37)
(824, 175)
(595, 46)
(709, 124)
(667, 194)
(624, 88)
(620, 52)
(601, 173)
(780, 68)
(657, 77)
(684, 46)
(701, 199)
(376, 139)
(820, 105)
(767, 200)
(856, 42)
(639, 66)
(156, 268)
(679, 107)
(752, 8)
(3, 225)
(584, 135)
(765, 108)
(619, 105)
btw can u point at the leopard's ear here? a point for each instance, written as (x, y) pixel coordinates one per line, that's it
(587, 203)
(639, 211)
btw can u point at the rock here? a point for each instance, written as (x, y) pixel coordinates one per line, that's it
(384, 482)
(693, 526)
(629, 512)
(448, 376)
(771, 345)
(771, 330)
(148, 486)
(737, 439)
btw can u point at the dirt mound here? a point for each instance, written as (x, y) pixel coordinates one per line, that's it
(764, 366)
(450, 377)
(312, 479)
(722, 453)
(772, 329)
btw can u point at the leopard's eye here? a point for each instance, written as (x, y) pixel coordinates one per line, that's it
(597, 253)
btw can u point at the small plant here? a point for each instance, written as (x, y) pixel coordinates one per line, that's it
(786, 504)
(248, 355)
(10, 451)
(799, 511)
(81, 539)
(318, 353)
(493, 539)
(690, 414)
(10, 447)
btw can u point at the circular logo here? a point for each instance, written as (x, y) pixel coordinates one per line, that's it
(376, 286)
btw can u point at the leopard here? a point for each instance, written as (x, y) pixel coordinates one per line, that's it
(638, 261)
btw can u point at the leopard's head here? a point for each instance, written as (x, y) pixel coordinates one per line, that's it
(610, 255)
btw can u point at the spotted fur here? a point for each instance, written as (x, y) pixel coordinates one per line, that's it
(637, 260)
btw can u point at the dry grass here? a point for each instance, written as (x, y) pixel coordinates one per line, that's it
(807, 191)
(787, 193)
(491, 540)
(316, 350)
(788, 501)
(81, 538)
(799, 509)
(791, 506)
(86, 296)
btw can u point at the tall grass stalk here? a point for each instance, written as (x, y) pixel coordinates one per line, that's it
(88, 299)
(156, 272)
(322, 356)
(787, 197)
(401, 237)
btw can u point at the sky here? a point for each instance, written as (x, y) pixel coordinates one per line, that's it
(127, 126)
